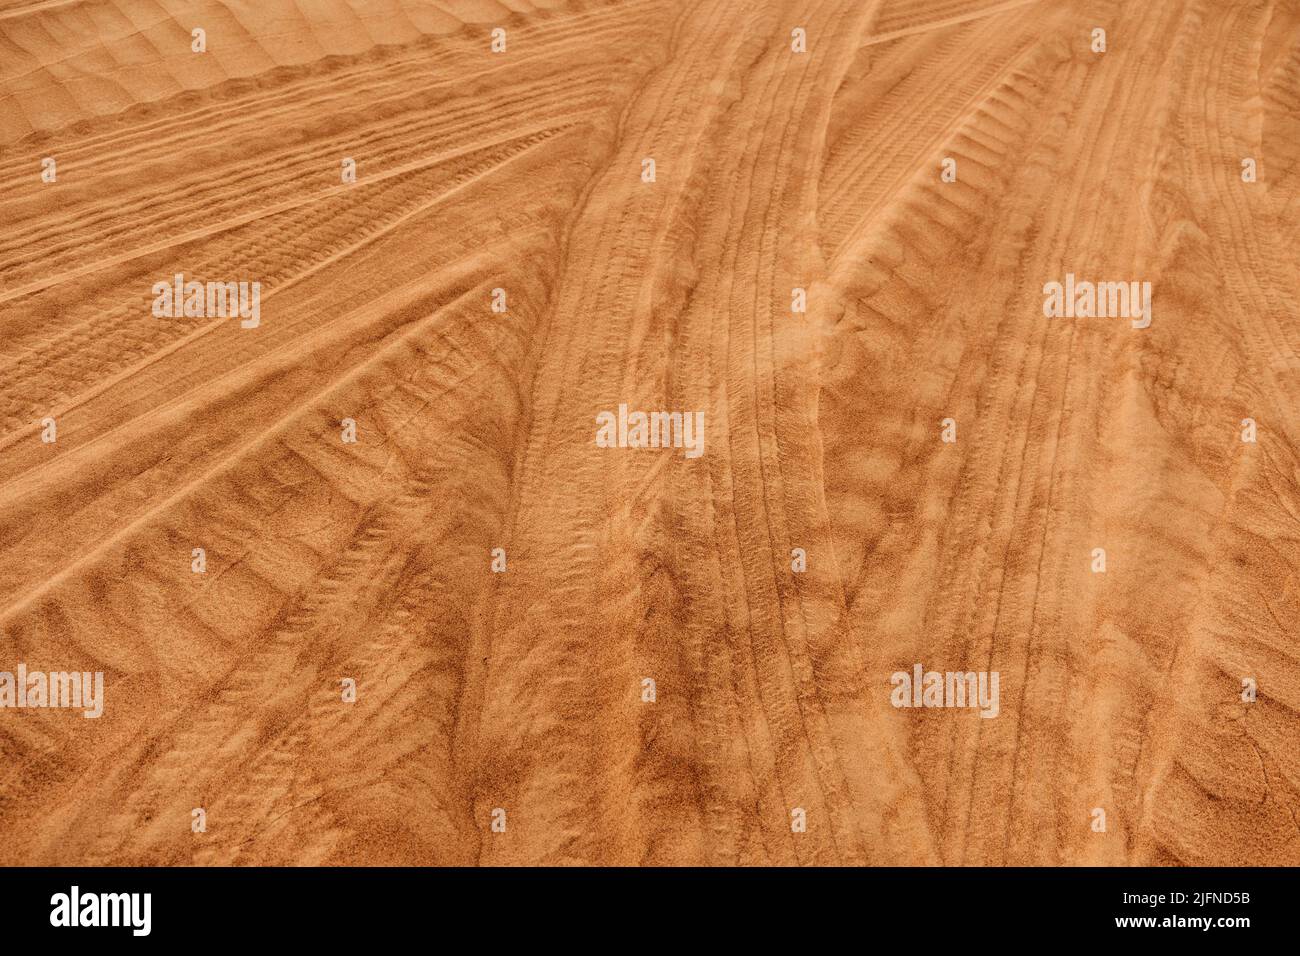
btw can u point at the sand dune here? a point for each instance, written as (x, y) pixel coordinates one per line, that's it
(945, 458)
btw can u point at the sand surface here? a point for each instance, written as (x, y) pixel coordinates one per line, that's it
(502, 717)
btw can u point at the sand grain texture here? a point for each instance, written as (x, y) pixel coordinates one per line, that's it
(774, 170)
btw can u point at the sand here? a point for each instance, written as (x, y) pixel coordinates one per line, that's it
(477, 635)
